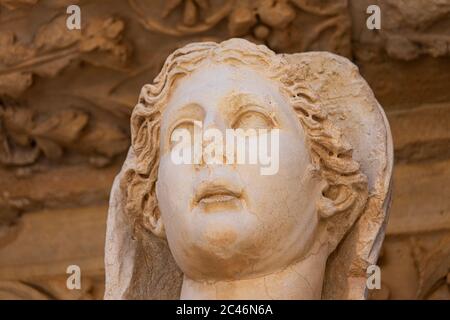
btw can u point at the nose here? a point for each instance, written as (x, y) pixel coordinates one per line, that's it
(214, 120)
(213, 141)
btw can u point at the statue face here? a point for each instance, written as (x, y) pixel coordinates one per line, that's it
(228, 221)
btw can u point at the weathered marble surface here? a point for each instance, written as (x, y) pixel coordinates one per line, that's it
(321, 216)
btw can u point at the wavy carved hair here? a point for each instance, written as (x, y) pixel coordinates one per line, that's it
(346, 192)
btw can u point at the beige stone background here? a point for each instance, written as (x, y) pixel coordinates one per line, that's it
(66, 98)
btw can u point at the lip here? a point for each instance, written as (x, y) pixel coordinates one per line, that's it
(217, 192)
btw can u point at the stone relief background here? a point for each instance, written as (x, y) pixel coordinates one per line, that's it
(66, 98)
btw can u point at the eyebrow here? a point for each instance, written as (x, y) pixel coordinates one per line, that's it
(190, 111)
(258, 108)
(247, 102)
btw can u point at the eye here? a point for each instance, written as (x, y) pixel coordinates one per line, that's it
(253, 120)
(183, 127)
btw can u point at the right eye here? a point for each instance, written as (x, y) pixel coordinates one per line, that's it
(183, 131)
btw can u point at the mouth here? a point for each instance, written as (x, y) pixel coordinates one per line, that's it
(217, 194)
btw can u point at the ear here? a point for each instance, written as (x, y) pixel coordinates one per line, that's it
(152, 220)
(351, 107)
(335, 199)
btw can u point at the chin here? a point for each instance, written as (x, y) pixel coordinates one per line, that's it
(227, 230)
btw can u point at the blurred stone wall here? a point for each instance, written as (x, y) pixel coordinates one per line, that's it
(66, 98)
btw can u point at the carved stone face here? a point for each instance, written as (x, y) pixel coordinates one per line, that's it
(229, 221)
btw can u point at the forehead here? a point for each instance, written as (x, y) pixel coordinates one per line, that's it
(212, 82)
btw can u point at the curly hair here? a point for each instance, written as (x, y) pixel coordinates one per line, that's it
(346, 192)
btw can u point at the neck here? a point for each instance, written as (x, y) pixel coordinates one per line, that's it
(300, 281)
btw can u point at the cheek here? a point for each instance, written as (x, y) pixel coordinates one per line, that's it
(285, 203)
(174, 194)
(279, 199)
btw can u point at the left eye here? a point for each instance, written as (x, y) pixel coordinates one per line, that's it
(252, 120)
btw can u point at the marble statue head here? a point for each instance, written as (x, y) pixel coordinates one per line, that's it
(308, 230)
